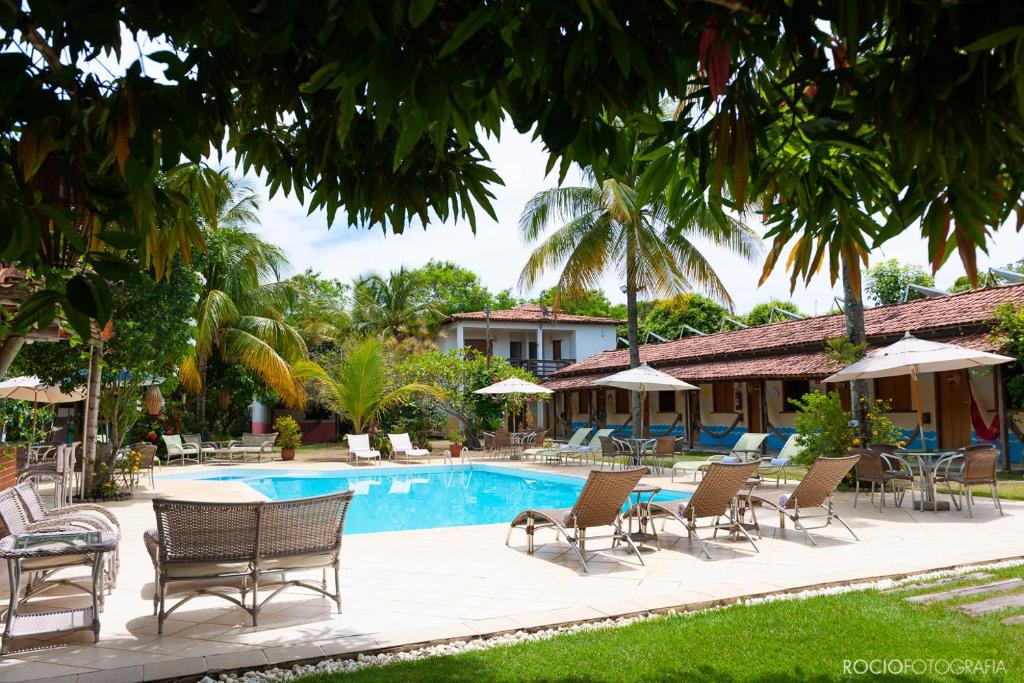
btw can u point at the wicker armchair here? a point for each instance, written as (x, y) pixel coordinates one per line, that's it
(176, 448)
(878, 468)
(974, 466)
(228, 547)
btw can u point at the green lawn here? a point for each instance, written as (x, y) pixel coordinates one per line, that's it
(788, 640)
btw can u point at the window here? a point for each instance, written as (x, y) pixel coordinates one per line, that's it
(621, 401)
(666, 401)
(532, 346)
(723, 398)
(583, 401)
(484, 346)
(793, 389)
(515, 350)
(895, 391)
(556, 349)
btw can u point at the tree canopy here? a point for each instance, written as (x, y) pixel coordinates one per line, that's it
(888, 280)
(764, 313)
(667, 316)
(591, 302)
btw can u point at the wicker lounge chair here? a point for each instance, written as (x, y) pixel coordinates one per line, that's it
(176, 448)
(715, 497)
(401, 443)
(747, 447)
(813, 491)
(221, 548)
(974, 466)
(599, 504)
(252, 445)
(878, 469)
(359, 447)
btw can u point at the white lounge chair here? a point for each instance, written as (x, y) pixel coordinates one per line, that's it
(747, 448)
(777, 465)
(574, 443)
(183, 451)
(359, 447)
(593, 447)
(401, 443)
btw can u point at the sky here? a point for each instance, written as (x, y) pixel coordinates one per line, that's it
(496, 252)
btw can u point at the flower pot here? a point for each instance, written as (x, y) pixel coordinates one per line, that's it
(287, 453)
(455, 449)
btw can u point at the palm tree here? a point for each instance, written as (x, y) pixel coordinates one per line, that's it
(238, 316)
(361, 391)
(615, 224)
(397, 305)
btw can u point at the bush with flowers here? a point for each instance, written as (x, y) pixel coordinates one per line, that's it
(823, 426)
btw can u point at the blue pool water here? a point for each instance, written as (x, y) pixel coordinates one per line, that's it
(389, 499)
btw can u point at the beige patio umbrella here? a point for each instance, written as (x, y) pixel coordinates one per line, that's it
(912, 356)
(513, 385)
(33, 389)
(643, 379)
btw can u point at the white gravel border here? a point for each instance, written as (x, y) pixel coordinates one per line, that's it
(364, 661)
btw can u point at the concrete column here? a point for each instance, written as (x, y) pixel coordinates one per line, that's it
(460, 339)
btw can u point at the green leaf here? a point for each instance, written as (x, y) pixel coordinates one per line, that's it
(419, 10)
(39, 309)
(473, 23)
(413, 125)
(620, 48)
(119, 240)
(60, 219)
(80, 296)
(111, 266)
(320, 78)
(996, 39)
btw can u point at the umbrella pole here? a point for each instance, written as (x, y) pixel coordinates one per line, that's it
(916, 387)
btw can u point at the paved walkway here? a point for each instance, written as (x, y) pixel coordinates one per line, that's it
(409, 587)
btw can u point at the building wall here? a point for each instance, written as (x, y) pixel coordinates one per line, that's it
(578, 341)
(781, 420)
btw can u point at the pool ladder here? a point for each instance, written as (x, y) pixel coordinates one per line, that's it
(464, 457)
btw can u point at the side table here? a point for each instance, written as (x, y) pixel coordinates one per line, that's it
(643, 515)
(18, 548)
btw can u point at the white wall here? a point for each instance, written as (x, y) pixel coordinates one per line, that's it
(578, 341)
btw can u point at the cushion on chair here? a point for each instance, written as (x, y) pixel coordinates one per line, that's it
(730, 460)
(779, 462)
(297, 562)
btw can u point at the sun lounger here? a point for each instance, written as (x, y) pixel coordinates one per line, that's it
(599, 504)
(779, 463)
(401, 443)
(359, 447)
(747, 447)
(813, 491)
(715, 497)
(252, 445)
(176, 448)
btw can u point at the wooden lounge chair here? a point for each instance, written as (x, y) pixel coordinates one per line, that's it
(401, 443)
(221, 549)
(778, 463)
(813, 491)
(359, 447)
(973, 466)
(715, 497)
(599, 504)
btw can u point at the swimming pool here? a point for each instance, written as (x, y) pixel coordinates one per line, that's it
(393, 499)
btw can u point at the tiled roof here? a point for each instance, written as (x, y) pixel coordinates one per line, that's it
(532, 313)
(792, 365)
(941, 316)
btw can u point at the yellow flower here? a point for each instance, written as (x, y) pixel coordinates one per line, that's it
(874, 433)
(856, 442)
(901, 444)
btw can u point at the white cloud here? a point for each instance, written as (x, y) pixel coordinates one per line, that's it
(497, 254)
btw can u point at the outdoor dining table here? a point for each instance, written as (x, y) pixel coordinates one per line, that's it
(638, 445)
(19, 547)
(517, 440)
(928, 460)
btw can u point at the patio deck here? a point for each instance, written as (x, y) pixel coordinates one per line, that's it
(411, 587)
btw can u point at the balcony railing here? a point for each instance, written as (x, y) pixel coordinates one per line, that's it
(541, 367)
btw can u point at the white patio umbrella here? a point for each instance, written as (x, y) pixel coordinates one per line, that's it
(643, 379)
(912, 356)
(33, 389)
(513, 385)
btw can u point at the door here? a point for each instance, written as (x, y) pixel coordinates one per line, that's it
(556, 349)
(515, 350)
(953, 400)
(754, 423)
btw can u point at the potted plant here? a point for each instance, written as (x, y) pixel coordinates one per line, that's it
(289, 436)
(455, 437)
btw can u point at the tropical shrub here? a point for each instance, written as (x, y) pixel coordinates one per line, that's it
(822, 426)
(289, 435)
(1009, 333)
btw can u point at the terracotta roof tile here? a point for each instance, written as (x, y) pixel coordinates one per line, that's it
(967, 311)
(533, 313)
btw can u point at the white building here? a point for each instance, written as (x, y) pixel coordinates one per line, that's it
(530, 336)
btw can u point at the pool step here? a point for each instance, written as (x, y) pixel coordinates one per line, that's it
(973, 576)
(995, 586)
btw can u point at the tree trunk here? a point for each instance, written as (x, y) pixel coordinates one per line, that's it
(633, 335)
(92, 412)
(853, 311)
(201, 397)
(9, 351)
